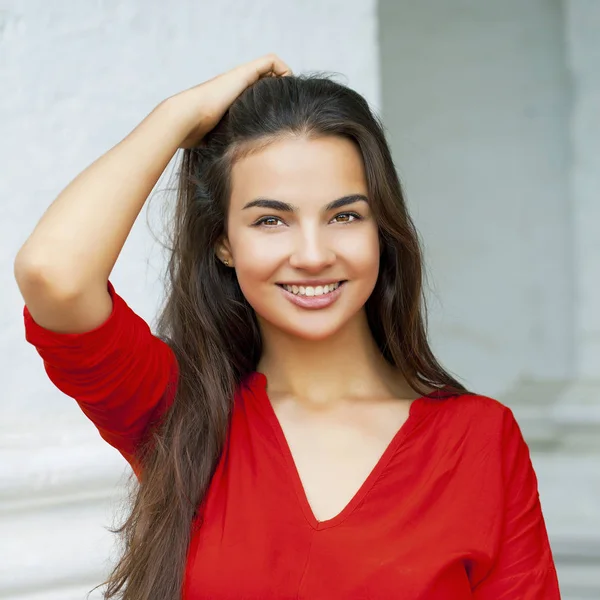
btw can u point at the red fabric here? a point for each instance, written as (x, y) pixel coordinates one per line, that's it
(451, 511)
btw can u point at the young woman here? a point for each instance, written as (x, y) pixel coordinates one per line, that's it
(292, 433)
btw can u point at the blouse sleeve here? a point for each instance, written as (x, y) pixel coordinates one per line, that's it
(523, 567)
(121, 375)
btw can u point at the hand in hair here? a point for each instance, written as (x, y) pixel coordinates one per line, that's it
(202, 106)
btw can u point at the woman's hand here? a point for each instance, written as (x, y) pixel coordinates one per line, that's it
(202, 106)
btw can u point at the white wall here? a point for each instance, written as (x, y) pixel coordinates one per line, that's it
(76, 77)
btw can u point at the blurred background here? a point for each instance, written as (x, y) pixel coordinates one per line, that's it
(492, 111)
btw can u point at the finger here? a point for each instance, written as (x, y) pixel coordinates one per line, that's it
(279, 67)
(270, 63)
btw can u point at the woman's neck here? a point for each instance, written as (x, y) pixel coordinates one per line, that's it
(324, 372)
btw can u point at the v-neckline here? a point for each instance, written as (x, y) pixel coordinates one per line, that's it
(415, 411)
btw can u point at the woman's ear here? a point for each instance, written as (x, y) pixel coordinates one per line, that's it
(223, 252)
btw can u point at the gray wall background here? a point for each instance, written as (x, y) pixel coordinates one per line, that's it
(491, 110)
(492, 113)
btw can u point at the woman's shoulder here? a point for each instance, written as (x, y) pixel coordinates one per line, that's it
(476, 412)
(475, 429)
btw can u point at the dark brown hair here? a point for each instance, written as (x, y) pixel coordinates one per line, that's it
(214, 332)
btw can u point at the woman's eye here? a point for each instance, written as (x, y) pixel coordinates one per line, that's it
(268, 221)
(341, 218)
(353, 216)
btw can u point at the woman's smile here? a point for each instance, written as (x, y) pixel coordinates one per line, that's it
(312, 297)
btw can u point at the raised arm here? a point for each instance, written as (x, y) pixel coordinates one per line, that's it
(63, 267)
(95, 348)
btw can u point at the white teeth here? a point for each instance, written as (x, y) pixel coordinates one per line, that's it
(311, 291)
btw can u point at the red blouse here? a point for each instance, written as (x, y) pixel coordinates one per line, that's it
(451, 511)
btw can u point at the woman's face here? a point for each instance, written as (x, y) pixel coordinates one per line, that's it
(281, 231)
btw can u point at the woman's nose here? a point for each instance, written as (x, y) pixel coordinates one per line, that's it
(311, 251)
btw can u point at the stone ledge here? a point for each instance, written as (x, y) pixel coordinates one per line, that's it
(73, 591)
(60, 489)
(70, 462)
(557, 415)
(54, 547)
(561, 422)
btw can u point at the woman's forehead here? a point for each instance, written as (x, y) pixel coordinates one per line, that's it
(298, 170)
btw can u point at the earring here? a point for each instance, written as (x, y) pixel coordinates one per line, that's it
(226, 263)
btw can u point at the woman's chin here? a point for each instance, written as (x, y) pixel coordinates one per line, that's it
(313, 328)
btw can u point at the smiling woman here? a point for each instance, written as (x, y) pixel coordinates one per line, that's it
(302, 239)
(292, 433)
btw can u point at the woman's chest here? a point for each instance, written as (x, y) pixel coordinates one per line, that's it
(280, 561)
(332, 457)
(267, 550)
(408, 528)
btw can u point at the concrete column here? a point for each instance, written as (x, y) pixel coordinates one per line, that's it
(576, 415)
(582, 27)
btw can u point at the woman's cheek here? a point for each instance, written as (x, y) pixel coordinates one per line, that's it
(360, 253)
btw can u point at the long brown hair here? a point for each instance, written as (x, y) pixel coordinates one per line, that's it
(214, 332)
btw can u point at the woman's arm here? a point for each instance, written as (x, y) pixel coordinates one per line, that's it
(524, 568)
(122, 376)
(63, 267)
(95, 348)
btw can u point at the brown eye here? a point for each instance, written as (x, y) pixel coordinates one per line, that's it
(351, 217)
(267, 221)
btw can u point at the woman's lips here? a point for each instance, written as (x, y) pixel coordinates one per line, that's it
(313, 302)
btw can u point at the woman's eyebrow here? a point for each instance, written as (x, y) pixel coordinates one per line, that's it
(285, 207)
